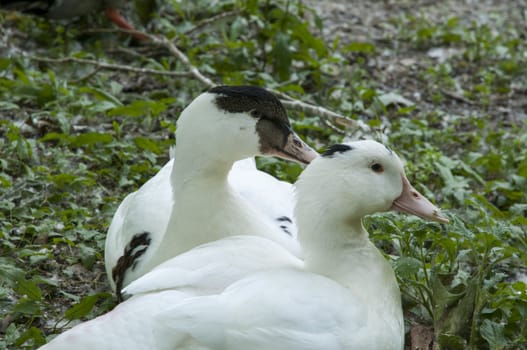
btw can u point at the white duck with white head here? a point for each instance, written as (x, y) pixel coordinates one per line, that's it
(196, 198)
(343, 295)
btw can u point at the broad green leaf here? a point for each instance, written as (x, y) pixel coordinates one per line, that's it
(5, 181)
(11, 334)
(494, 334)
(522, 168)
(101, 95)
(28, 307)
(282, 56)
(52, 136)
(10, 273)
(90, 138)
(100, 106)
(82, 308)
(407, 266)
(453, 311)
(135, 109)
(142, 108)
(34, 334)
(451, 342)
(62, 180)
(359, 47)
(4, 63)
(6, 106)
(30, 289)
(147, 144)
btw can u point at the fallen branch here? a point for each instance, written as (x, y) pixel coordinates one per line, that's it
(330, 125)
(110, 66)
(324, 113)
(211, 20)
(141, 36)
(194, 71)
(457, 96)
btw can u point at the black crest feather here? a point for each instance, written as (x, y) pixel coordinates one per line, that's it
(338, 148)
(240, 99)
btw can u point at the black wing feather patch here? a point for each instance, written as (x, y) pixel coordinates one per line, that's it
(285, 221)
(285, 218)
(132, 252)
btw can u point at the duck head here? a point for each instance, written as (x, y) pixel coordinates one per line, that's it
(362, 178)
(237, 122)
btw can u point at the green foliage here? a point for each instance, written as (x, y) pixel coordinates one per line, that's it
(76, 139)
(460, 277)
(491, 56)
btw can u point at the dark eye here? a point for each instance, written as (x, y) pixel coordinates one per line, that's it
(256, 113)
(377, 168)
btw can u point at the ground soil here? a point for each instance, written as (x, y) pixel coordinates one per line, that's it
(396, 68)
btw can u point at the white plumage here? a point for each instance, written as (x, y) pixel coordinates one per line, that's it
(248, 292)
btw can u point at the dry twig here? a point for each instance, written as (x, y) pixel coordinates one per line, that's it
(110, 66)
(297, 105)
(211, 20)
(457, 96)
(183, 58)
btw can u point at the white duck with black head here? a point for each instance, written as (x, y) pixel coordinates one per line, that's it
(196, 198)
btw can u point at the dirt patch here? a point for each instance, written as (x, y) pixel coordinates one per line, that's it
(402, 65)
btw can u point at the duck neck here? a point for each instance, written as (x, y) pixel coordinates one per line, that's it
(324, 251)
(340, 249)
(206, 207)
(193, 163)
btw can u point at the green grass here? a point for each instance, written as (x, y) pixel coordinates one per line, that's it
(76, 139)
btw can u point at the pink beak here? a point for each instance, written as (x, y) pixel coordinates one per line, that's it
(296, 150)
(412, 202)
